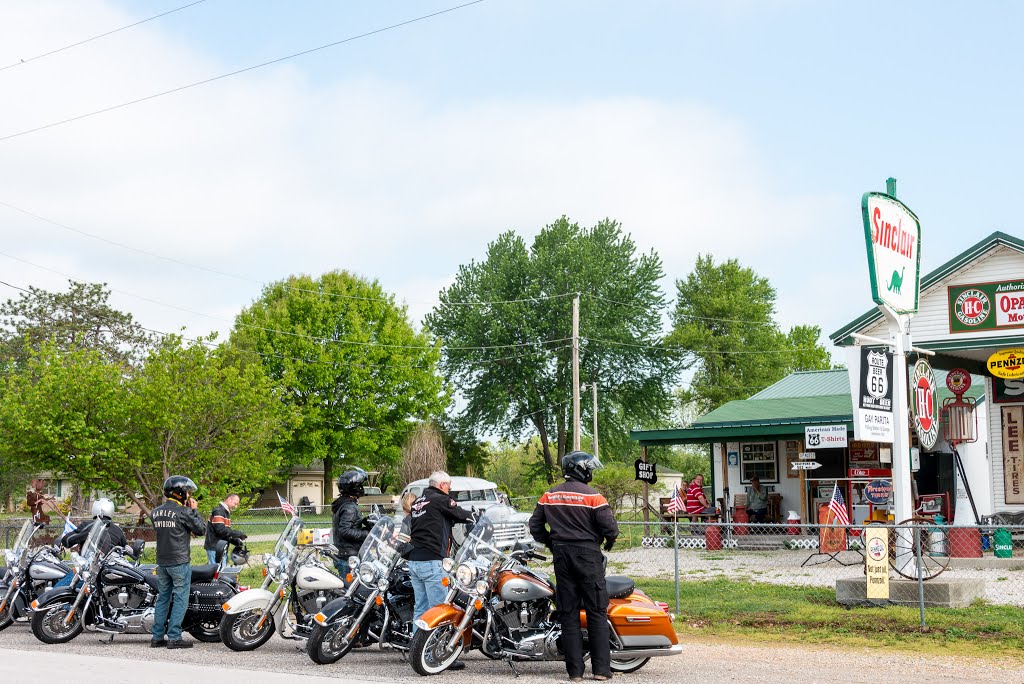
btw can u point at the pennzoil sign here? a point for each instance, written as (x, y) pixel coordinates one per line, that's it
(1007, 364)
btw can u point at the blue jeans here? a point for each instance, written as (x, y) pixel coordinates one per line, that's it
(211, 556)
(426, 586)
(172, 580)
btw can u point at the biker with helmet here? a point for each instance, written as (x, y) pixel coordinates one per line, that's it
(348, 528)
(113, 536)
(175, 521)
(573, 519)
(219, 527)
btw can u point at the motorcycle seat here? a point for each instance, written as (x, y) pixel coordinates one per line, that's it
(204, 573)
(619, 586)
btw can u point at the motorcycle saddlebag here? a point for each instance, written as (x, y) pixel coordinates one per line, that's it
(640, 623)
(208, 597)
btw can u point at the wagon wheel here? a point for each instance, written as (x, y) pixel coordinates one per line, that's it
(934, 557)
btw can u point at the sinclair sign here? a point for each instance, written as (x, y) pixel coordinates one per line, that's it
(893, 236)
(986, 306)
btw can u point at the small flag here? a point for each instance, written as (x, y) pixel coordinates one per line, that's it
(69, 527)
(677, 503)
(838, 507)
(285, 506)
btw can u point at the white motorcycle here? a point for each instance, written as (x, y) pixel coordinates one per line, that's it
(304, 585)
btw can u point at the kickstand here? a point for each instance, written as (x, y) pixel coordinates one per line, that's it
(512, 666)
(108, 639)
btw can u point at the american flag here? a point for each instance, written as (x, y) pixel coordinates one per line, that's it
(285, 506)
(838, 507)
(677, 503)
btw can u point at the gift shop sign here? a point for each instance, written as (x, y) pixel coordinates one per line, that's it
(825, 436)
(986, 306)
(893, 236)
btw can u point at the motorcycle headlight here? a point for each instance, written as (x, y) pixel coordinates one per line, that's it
(465, 574)
(367, 574)
(481, 587)
(382, 584)
(353, 562)
(10, 557)
(273, 566)
(448, 564)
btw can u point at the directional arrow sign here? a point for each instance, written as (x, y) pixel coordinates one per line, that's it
(805, 465)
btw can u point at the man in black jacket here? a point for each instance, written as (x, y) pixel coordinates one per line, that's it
(348, 529)
(579, 519)
(219, 528)
(176, 522)
(113, 536)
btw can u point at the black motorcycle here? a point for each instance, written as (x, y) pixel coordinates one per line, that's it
(376, 608)
(113, 594)
(30, 571)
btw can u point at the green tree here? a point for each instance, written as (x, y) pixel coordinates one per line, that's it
(724, 324)
(347, 358)
(506, 326)
(183, 411)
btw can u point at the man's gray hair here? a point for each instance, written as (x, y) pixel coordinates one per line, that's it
(439, 477)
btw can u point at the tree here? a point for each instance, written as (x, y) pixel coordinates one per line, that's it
(617, 481)
(183, 411)
(506, 326)
(349, 361)
(422, 454)
(724, 327)
(80, 318)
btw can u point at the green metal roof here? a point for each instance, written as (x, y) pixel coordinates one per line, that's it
(841, 337)
(807, 384)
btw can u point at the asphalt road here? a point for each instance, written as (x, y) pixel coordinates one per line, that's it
(129, 660)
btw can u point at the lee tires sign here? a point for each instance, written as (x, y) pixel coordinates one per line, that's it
(893, 236)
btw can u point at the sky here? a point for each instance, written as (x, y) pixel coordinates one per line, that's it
(742, 129)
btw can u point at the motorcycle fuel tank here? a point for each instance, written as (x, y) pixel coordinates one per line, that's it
(118, 575)
(44, 571)
(311, 577)
(514, 586)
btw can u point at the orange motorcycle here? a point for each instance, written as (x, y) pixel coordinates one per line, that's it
(498, 604)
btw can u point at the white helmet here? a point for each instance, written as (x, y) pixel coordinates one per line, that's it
(102, 508)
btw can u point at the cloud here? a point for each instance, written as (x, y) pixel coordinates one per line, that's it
(269, 173)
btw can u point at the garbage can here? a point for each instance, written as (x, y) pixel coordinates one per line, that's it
(1003, 543)
(739, 516)
(793, 524)
(713, 538)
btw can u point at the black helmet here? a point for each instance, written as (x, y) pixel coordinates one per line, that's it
(178, 487)
(350, 482)
(579, 465)
(240, 555)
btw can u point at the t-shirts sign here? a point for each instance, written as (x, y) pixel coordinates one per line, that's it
(825, 436)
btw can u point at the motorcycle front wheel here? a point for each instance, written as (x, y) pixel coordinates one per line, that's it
(242, 632)
(7, 614)
(327, 643)
(51, 627)
(428, 652)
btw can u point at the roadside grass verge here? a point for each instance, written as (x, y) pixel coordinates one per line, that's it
(762, 612)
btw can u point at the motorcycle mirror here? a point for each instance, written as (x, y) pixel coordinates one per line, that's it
(137, 546)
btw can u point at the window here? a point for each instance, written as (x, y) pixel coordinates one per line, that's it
(759, 460)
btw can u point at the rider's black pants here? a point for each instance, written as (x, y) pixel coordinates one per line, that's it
(579, 576)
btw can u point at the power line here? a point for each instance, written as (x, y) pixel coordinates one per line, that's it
(322, 340)
(684, 350)
(240, 71)
(247, 279)
(695, 318)
(101, 35)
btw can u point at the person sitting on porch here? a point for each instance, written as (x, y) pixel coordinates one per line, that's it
(696, 502)
(757, 501)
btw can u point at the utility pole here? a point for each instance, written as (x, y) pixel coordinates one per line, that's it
(576, 373)
(594, 387)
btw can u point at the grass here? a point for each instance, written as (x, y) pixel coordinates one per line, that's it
(771, 613)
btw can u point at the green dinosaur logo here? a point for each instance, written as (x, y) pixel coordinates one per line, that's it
(896, 281)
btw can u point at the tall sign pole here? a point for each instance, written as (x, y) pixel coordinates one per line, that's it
(576, 373)
(594, 388)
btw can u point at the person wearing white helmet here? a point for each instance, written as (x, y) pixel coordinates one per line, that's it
(102, 510)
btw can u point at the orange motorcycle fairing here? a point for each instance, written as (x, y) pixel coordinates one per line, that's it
(441, 615)
(637, 616)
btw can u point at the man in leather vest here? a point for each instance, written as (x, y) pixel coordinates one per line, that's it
(176, 522)
(348, 529)
(579, 519)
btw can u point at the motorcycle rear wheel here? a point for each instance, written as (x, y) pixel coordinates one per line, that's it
(326, 644)
(625, 666)
(206, 630)
(238, 631)
(428, 652)
(49, 627)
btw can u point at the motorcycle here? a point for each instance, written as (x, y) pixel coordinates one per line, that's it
(378, 606)
(114, 595)
(498, 604)
(304, 586)
(28, 574)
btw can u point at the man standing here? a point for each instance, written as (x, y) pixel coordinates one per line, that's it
(220, 528)
(579, 519)
(175, 521)
(434, 514)
(347, 529)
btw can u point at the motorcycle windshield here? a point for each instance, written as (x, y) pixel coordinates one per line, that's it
(289, 538)
(92, 543)
(479, 548)
(24, 537)
(381, 545)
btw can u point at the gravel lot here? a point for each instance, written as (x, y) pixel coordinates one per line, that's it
(128, 659)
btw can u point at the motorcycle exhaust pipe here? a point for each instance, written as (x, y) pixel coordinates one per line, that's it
(647, 652)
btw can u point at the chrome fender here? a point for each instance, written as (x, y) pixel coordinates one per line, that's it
(250, 599)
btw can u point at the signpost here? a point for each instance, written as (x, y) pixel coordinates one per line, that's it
(646, 472)
(876, 561)
(871, 379)
(806, 465)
